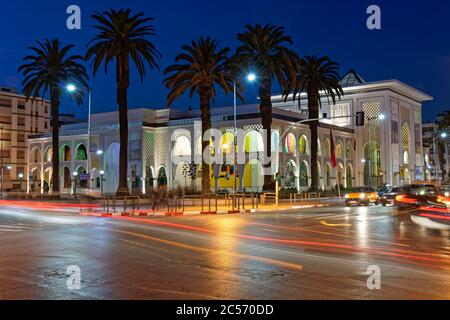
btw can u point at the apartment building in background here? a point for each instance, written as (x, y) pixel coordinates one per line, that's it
(19, 118)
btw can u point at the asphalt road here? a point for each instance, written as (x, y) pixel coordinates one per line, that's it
(319, 253)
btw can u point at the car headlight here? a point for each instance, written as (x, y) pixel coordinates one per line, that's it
(447, 194)
(347, 196)
(362, 196)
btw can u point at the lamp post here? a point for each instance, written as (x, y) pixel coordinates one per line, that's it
(443, 136)
(20, 175)
(72, 88)
(380, 117)
(75, 175)
(102, 172)
(251, 78)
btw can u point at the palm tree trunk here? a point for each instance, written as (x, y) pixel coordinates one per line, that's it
(205, 109)
(54, 100)
(122, 89)
(266, 119)
(313, 110)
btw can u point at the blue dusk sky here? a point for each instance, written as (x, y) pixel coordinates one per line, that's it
(413, 45)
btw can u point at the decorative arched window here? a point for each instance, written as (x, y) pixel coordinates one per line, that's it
(348, 151)
(339, 150)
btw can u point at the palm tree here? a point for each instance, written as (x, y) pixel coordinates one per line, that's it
(263, 48)
(121, 38)
(198, 70)
(46, 71)
(316, 76)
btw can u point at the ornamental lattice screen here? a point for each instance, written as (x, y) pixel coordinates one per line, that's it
(372, 110)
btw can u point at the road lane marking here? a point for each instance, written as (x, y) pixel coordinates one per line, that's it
(327, 233)
(324, 223)
(287, 265)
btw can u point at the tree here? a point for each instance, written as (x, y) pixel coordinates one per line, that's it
(316, 76)
(50, 67)
(121, 38)
(198, 70)
(263, 49)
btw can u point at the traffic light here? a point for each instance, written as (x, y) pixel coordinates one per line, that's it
(360, 119)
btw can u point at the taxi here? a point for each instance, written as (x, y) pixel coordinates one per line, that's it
(361, 196)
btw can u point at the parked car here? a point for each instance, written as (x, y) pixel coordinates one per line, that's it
(361, 196)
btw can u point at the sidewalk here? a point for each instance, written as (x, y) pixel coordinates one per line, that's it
(284, 205)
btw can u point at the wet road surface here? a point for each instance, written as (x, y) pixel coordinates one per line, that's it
(321, 253)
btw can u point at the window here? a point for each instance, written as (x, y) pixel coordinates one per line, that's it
(20, 121)
(20, 137)
(5, 154)
(341, 110)
(5, 119)
(20, 154)
(5, 103)
(21, 106)
(46, 125)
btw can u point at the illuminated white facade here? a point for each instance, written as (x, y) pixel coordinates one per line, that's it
(155, 136)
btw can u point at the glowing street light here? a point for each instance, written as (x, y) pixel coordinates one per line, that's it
(99, 152)
(71, 88)
(250, 77)
(382, 116)
(444, 135)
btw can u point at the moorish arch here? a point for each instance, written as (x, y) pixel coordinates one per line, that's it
(253, 142)
(326, 149)
(67, 179)
(253, 179)
(349, 176)
(349, 150)
(289, 144)
(48, 154)
(339, 149)
(81, 152)
(303, 175)
(290, 175)
(162, 177)
(303, 147)
(35, 155)
(65, 153)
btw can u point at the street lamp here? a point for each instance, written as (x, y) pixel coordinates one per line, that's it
(75, 175)
(71, 88)
(20, 175)
(102, 172)
(380, 117)
(251, 77)
(99, 152)
(443, 136)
